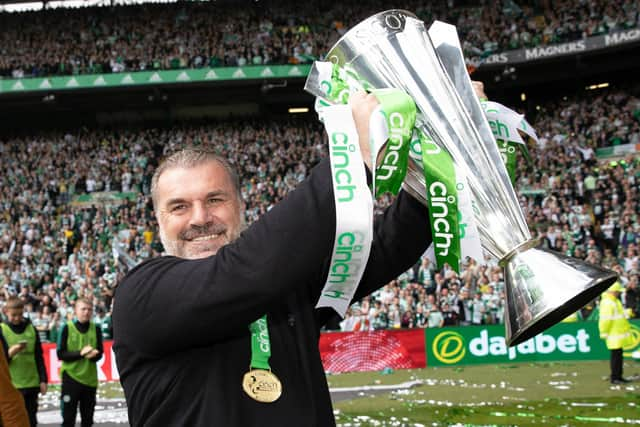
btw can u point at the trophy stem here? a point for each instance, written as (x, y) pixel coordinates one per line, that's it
(522, 247)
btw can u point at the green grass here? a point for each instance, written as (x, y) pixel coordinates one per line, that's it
(562, 393)
(523, 394)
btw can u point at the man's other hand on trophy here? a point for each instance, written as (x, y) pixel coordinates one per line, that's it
(362, 105)
(478, 87)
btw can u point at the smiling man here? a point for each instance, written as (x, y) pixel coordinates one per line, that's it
(190, 327)
(197, 204)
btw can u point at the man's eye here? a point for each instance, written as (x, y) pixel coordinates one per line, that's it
(213, 200)
(177, 208)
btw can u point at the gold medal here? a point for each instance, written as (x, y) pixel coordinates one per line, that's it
(262, 385)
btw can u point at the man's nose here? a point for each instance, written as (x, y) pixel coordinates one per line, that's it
(199, 214)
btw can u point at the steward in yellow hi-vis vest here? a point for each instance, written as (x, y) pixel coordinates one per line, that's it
(614, 329)
(79, 349)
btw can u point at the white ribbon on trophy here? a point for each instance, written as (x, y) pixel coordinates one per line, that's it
(354, 210)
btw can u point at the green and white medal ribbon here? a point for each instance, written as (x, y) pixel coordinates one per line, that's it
(260, 383)
(354, 210)
(507, 127)
(260, 344)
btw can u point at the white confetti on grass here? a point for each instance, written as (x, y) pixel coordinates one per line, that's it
(587, 404)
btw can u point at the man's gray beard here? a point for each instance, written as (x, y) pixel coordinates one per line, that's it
(172, 248)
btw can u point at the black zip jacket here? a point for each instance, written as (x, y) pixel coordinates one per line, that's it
(181, 334)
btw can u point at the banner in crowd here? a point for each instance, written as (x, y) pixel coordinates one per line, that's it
(563, 49)
(372, 351)
(486, 344)
(617, 150)
(136, 78)
(107, 370)
(103, 198)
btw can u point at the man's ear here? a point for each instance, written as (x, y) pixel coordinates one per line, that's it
(243, 218)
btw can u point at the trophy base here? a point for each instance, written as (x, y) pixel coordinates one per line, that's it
(543, 287)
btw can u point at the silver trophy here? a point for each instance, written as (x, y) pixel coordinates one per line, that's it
(394, 49)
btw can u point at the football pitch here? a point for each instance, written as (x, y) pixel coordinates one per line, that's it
(519, 394)
(557, 394)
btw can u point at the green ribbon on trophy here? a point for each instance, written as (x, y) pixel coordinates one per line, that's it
(508, 152)
(508, 127)
(468, 235)
(354, 205)
(337, 83)
(399, 112)
(335, 88)
(391, 129)
(442, 196)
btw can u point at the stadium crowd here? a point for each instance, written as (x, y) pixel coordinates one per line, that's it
(60, 221)
(200, 34)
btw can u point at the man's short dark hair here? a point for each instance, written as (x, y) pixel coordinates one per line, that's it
(189, 157)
